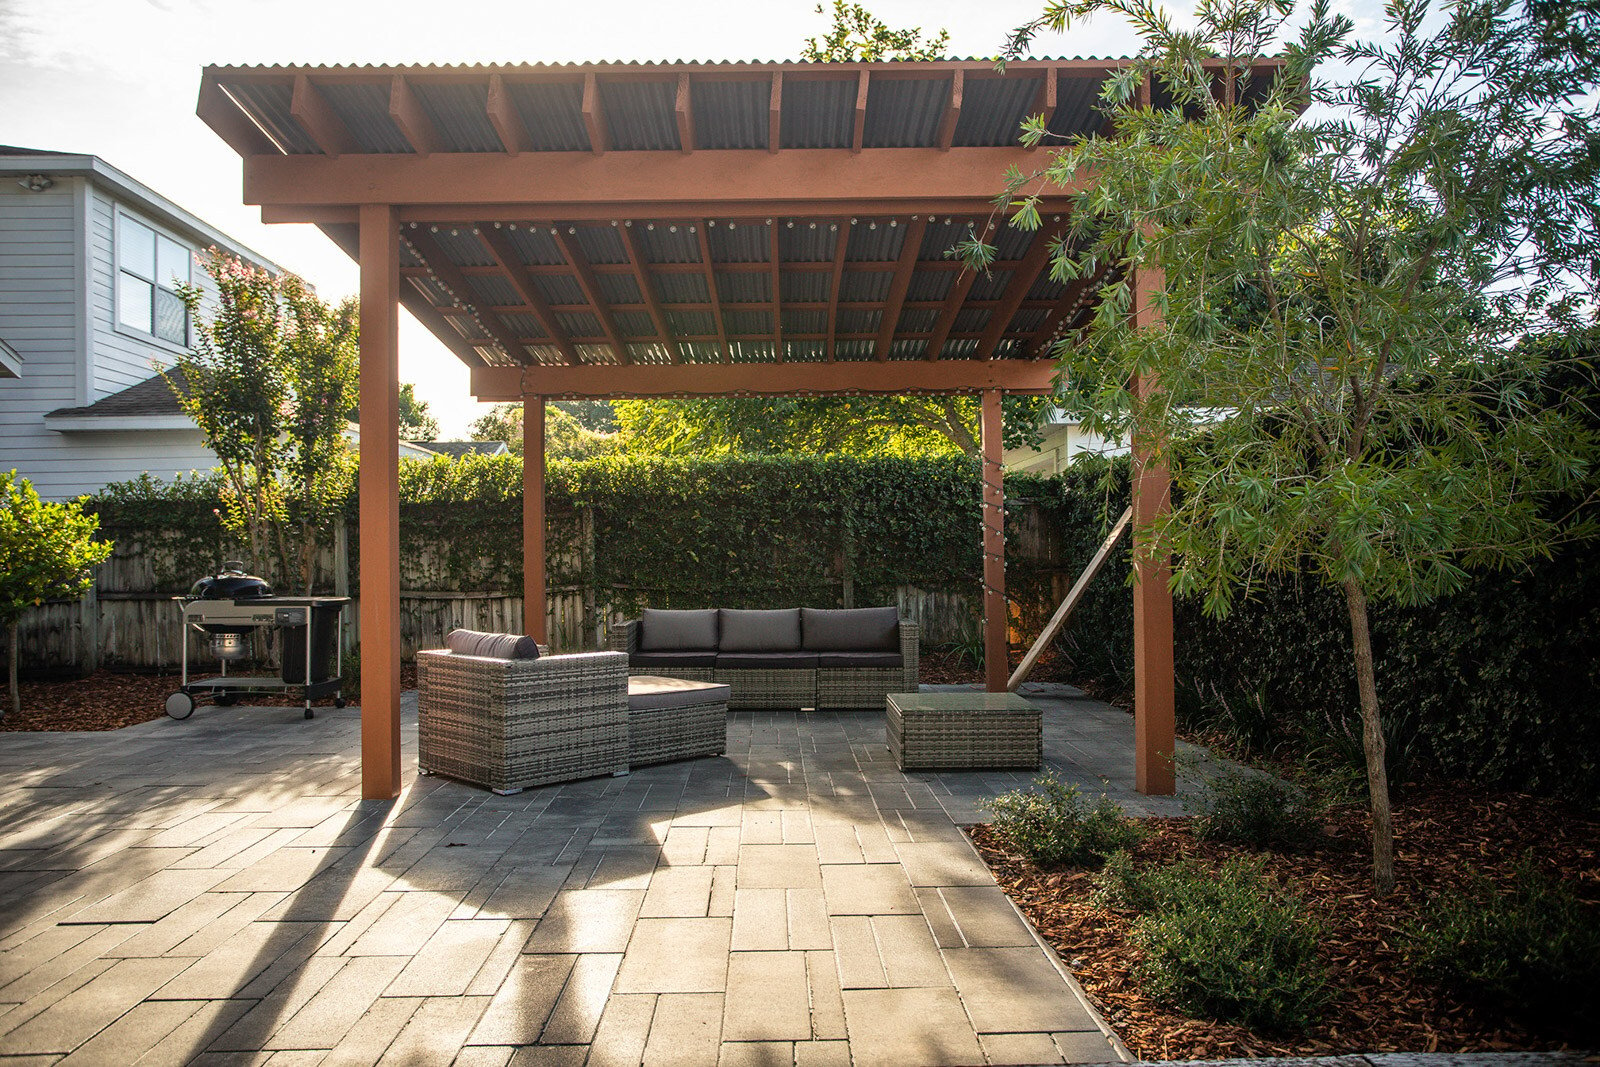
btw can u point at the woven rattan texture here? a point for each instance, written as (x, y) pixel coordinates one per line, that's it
(664, 734)
(956, 740)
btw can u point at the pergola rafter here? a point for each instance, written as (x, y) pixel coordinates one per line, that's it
(500, 178)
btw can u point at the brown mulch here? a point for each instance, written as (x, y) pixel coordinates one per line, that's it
(110, 700)
(947, 666)
(1444, 836)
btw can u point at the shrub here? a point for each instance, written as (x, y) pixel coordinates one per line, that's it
(1535, 950)
(1227, 945)
(1054, 827)
(1245, 807)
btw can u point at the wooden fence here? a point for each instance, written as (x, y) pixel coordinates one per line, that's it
(127, 622)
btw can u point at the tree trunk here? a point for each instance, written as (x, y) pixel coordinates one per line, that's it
(11, 667)
(1372, 741)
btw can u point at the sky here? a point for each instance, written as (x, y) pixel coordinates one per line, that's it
(119, 78)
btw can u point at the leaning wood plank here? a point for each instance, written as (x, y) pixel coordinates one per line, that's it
(1059, 619)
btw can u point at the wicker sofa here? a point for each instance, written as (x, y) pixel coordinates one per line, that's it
(509, 724)
(788, 658)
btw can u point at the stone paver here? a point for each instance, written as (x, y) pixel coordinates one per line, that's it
(216, 891)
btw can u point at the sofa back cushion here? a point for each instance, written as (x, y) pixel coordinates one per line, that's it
(492, 646)
(851, 629)
(663, 630)
(760, 631)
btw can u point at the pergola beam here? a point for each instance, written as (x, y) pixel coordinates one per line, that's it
(777, 291)
(568, 244)
(708, 266)
(952, 113)
(508, 125)
(594, 119)
(911, 246)
(641, 278)
(859, 129)
(407, 113)
(866, 377)
(310, 109)
(1022, 280)
(775, 114)
(683, 109)
(836, 278)
(954, 300)
(532, 297)
(450, 275)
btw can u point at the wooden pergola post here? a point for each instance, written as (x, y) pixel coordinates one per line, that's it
(996, 667)
(534, 610)
(379, 491)
(1153, 712)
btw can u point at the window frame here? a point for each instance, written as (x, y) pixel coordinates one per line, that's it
(119, 268)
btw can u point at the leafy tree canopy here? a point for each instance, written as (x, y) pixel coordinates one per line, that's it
(1348, 281)
(858, 36)
(565, 435)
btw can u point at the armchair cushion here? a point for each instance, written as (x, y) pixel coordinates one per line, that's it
(491, 646)
(760, 631)
(677, 631)
(851, 629)
(761, 661)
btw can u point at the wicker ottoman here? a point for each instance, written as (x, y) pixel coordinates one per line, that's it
(957, 731)
(675, 718)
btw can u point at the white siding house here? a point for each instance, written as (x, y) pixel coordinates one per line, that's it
(88, 317)
(1063, 440)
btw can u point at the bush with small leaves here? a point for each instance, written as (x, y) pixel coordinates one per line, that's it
(1245, 807)
(1054, 827)
(1226, 944)
(1533, 951)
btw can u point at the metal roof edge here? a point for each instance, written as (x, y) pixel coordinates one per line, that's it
(98, 170)
(10, 361)
(114, 423)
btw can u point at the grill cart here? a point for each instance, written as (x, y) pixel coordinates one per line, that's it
(230, 606)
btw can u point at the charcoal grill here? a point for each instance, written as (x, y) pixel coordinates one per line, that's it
(230, 606)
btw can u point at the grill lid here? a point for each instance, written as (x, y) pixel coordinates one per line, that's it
(231, 583)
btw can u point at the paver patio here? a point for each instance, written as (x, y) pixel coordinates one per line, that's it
(215, 891)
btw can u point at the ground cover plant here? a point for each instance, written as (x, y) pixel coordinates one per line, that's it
(1055, 826)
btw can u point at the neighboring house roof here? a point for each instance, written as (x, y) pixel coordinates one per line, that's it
(148, 405)
(457, 449)
(29, 161)
(10, 361)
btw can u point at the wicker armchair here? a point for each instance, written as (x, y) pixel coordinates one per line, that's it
(509, 724)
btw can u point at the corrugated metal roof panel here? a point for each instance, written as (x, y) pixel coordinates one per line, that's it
(598, 354)
(865, 286)
(552, 112)
(959, 348)
(907, 349)
(1076, 107)
(1013, 243)
(1046, 287)
(460, 115)
(848, 349)
(682, 288)
(930, 284)
(740, 243)
(700, 351)
(818, 113)
(748, 323)
(363, 107)
(744, 287)
(578, 324)
(730, 114)
(802, 241)
(917, 320)
(535, 246)
(940, 237)
(971, 320)
(805, 321)
(619, 289)
(804, 286)
(432, 290)
(560, 289)
(522, 325)
(805, 351)
(546, 355)
(1009, 348)
(639, 115)
(753, 351)
(668, 243)
(905, 112)
(493, 290)
(690, 323)
(649, 354)
(990, 286)
(858, 320)
(1027, 320)
(600, 244)
(463, 246)
(992, 109)
(408, 257)
(268, 104)
(495, 358)
(634, 324)
(874, 241)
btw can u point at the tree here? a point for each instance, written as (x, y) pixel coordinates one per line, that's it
(271, 376)
(566, 437)
(854, 425)
(47, 551)
(415, 422)
(858, 36)
(1348, 282)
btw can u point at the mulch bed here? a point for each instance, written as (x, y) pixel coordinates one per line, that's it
(1444, 836)
(110, 700)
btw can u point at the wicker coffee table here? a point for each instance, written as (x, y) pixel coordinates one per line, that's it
(956, 731)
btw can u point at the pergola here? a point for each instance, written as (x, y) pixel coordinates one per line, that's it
(685, 229)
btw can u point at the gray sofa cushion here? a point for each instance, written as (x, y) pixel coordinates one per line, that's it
(851, 629)
(666, 660)
(649, 693)
(492, 646)
(765, 661)
(860, 659)
(760, 631)
(662, 630)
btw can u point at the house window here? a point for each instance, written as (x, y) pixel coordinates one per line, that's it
(150, 267)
